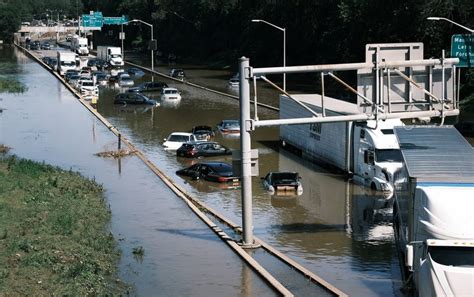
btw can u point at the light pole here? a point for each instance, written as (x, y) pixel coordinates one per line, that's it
(152, 45)
(284, 45)
(452, 22)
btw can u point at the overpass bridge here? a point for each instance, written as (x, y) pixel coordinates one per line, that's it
(47, 32)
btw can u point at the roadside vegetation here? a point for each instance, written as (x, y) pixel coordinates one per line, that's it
(8, 82)
(10, 85)
(54, 237)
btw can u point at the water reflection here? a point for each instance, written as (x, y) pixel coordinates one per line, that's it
(173, 103)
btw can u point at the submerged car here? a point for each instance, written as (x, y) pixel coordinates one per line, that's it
(125, 80)
(229, 126)
(170, 94)
(203, 132)
(234, 82)
(177, 73)
(149, 86)
(176, 139)
(283, 183)
(133, 98)
(202, 149)
(135, 72)
(211, 171)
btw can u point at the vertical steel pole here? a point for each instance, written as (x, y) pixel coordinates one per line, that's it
(245, 148)
(152, 62)
(284, 58)
(121, 37)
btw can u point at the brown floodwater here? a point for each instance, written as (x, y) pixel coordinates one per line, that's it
(340, 231)
(182, 256)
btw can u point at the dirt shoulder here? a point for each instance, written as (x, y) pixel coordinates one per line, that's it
(54, 237)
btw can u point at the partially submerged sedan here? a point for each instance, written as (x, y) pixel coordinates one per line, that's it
(283, 183)
(133, 98)
(176, 139)
(211, 171)
(229, 127)
(203, 132)
(170, 94)
(202, 149)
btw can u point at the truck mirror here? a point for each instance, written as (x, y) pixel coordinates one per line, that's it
(409, 257)
(362, 134)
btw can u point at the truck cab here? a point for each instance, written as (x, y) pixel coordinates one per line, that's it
(115, 56)
(433, 221)
(66, 61)
(376, 154)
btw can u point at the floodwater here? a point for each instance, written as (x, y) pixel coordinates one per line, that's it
(182, 256)
(339, 231)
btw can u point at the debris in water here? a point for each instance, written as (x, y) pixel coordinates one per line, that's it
(4, 149)
(116, 154)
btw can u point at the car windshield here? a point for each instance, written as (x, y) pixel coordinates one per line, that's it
(221, 168)
(171, 92)
(125, 78)
(231, 124)
(284, 176)
(179, 138)
(115, 56)
(87, 84)
(388, 155)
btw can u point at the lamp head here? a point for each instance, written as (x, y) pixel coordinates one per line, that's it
(256, 21)
(433, 18)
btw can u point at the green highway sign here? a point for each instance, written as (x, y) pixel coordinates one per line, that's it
(115, 20)
(94, 19)
(462, 47)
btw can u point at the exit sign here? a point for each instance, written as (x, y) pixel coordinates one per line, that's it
(462, 47)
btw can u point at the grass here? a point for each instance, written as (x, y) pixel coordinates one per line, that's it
(10, 85)
(54, 237)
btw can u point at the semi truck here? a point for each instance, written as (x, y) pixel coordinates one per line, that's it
(66, 61)
(79, 45)
(366, 150)
(433, 221)
(112, 55)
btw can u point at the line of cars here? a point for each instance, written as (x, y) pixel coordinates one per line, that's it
(199, 144)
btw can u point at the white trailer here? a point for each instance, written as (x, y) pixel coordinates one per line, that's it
(66, 61)
(79, 45)
(433, 221)
(368, 150)
(113, 55)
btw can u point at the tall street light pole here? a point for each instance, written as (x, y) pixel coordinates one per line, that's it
(452, 22)
(284, 45)
(152, 44)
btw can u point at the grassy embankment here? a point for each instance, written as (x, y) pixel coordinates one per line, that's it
(54, 237)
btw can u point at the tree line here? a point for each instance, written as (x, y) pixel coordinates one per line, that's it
(318, 31)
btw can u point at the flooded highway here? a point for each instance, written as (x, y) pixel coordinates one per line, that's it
(182, 256)
(340, 231)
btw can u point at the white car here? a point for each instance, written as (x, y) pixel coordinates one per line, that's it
(176, 139)
(88, 89)
(124, 80)
(170, 94)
